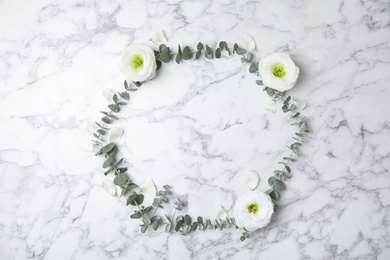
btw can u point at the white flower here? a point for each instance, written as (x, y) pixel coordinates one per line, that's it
(149, 187)
(115, 134)
(109, 187)
(109, 94)
(270, 104)
(248, 42)
(278, 71)
(250, 178)
(158, 37)
(138, 63)
(253, 210)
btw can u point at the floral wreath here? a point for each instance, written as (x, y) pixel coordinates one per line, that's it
(253, 210)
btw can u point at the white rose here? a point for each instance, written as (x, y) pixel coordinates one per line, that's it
(278, 71)
(138, 63)
(253, 210)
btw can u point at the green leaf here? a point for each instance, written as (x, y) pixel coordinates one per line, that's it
(249, 57)
(108, 162)
(289, 159)
(135, 199)
(144, 227)
(114, 108)
(223, 46)
(187, 220)
(186, 53)
(101, 131)
(168, 228)
(139, 199)
(198, 54)
(178, 58)
(162, 47)
(295, 115)
(240, 51)
(218, 53)
(136, 215)
(107, 148)
(274, 195)
(259, 82)
(115, 98)
(156, 221)
(108, 171)
(124, 95)
(179, 224)
(99, 125)
(276, 184)
(106, 120)
(138, 84)
(209, 53)
(126, 85)
(199, 46)
(147, 209)
(179, 49)
(113, 117)
(121, 179)
(158, 64)
(235, 47)
(254, 67)
(165, 54)
(200, 220)
(194, 226)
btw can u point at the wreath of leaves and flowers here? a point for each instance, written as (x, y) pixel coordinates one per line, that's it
(139, 63)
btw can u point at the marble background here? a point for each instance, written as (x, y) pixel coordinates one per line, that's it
(195, 128)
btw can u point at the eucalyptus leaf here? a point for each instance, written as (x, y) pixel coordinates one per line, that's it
(199, 46)
(101, 131)
(254, 67)
(218, 53)
(121, 179)
(108, 162)
(106, 120)
(144, 228)
(179, 224)
(136, 215)
(198, 54)
(186, 53)
(209, 53)
(114, 108)
(107, 148)
(187, 220)
(274, 195)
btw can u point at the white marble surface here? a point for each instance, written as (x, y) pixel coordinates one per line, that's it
(194, 127)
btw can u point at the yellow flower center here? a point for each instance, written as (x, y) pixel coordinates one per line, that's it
(253, 208)
(279, 71)
(137, 62)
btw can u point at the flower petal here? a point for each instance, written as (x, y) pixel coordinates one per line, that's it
(298, 103)
(250, 178)
(115, 134)
(248, 42)
(149, 187)
(158, 37)
(109, 187)
(270, 104)
(108, 94)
